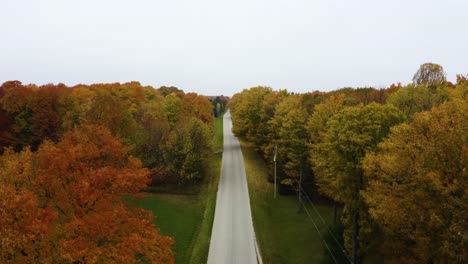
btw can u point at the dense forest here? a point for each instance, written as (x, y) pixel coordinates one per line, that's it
(69, 156)
(394, 159)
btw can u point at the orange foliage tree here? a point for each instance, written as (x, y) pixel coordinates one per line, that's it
(198, 106)
(64, 204)
(141, 116)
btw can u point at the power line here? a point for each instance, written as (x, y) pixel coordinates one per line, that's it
(318, 213)
(310, 217)
(318, 231)
(323, 221)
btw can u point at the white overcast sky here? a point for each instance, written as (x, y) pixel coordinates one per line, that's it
(220, 47)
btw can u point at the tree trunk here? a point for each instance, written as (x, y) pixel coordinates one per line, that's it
(301, 207)
(355, 236)
(334, 212)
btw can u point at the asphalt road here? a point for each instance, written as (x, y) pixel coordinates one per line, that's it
(232, 236)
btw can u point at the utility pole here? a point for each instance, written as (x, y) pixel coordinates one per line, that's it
(274, 159)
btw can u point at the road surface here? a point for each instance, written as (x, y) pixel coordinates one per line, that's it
(232, 236)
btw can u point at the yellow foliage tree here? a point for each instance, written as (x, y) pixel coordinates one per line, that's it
(418, 187)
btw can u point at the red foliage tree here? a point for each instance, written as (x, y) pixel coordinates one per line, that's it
(79, 182)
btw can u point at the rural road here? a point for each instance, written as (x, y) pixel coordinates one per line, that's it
(232, 237)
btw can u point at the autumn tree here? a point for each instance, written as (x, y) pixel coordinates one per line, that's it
(429, 74)
(166, 90)
(112, 105)
(34, 113)
(70, 208)
(154, 130)
(266, 136)
(15, 105)
(112, 111)
(289, 126)
(417, 189)
(45, 120)
(412, 98)
(7, 138)
(317, 131)
(25, 223)
(361, 95)
(198, 106)
(187, 150)
(172, 108)
(350, 135)
(461, 88)
(245, 111)
(144, 118)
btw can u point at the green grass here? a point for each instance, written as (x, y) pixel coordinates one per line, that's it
(283, 234)
(201, 242)
(177, 216)
(187, 214)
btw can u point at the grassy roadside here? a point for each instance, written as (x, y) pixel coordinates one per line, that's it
(188, 216)
(176, 216)
(283, 234)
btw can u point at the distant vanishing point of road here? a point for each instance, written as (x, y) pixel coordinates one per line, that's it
(232, 237)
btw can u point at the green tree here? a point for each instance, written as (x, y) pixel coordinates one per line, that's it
(187, 149)
(417, 98)
(417, 189)
(172, 108)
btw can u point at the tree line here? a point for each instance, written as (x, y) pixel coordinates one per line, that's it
(69, 156)
(168, 130)
(394, 158)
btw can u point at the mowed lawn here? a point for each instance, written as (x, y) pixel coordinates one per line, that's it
(177, 216)
(188, 218)
(283, 234)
